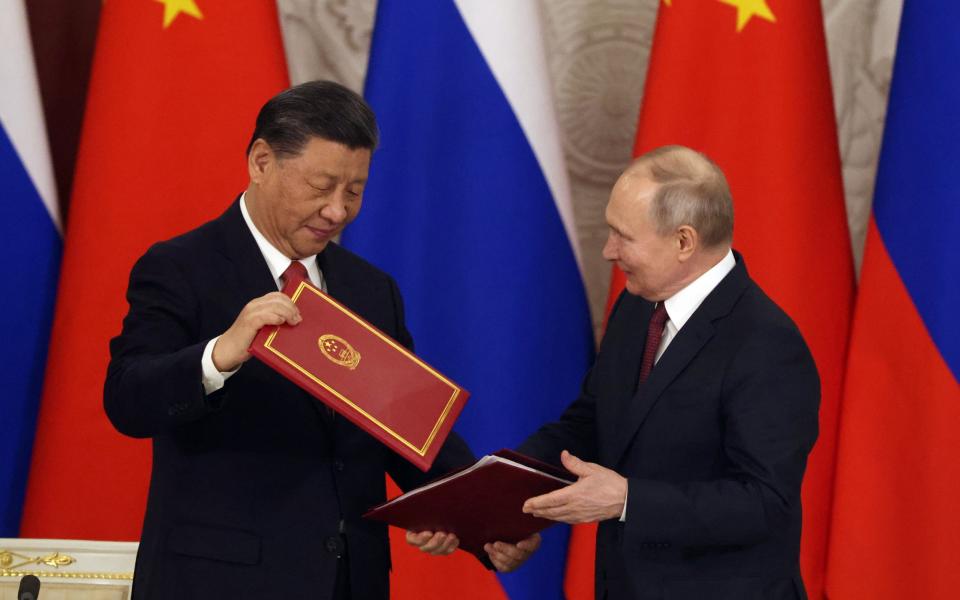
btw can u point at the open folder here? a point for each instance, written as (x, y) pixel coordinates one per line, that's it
(482, 503)
(363, 374)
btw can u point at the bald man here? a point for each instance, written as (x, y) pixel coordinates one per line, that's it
(691, 435)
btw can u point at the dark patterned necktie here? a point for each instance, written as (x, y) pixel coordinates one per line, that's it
(654, 335)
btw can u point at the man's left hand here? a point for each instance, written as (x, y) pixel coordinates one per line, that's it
(507, 557)
(598, 494)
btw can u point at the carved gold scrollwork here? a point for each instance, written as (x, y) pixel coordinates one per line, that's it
(11, 561)
(57, 560)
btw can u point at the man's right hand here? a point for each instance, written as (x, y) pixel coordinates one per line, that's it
(436, 543)
(275, 308)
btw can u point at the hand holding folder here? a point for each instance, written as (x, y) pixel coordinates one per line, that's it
(362, 374)
(479, 504)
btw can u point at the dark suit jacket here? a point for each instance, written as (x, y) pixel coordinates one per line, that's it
(252, 484)
(714, 446)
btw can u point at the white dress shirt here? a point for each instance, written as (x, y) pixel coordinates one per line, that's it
(277, 262)
(681, 306)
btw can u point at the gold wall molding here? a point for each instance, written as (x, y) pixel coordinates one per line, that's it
(12, 563)
(9, 558)
(69, 575)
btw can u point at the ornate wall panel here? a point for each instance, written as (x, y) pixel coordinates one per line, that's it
(861, 39)
(327, 39)
(598, 53)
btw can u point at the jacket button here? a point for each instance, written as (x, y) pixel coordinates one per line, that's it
(334, 545)
(338, 465)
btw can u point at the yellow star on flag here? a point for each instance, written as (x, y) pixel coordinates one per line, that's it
(747, 9)
(173, 8)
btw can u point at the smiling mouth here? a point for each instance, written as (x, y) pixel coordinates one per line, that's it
(321, 234)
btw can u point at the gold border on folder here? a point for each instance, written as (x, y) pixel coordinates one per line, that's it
(422, 450)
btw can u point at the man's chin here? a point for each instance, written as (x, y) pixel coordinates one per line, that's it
(637, 290)
(310, 249)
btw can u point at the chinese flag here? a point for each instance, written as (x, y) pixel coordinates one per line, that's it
(174, 93)
(747, 83)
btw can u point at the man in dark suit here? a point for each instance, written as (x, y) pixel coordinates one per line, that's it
(257, 490)
(691, 434)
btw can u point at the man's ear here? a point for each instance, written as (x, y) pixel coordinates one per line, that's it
(687, 242)
(259, 160)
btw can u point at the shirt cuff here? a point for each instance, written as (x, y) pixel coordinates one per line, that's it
(213, 379)
(623, 515)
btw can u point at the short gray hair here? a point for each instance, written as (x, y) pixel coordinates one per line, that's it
(692, 190)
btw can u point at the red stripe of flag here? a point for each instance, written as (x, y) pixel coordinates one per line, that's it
(895, 514)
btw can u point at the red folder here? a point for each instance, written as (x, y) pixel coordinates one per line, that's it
(363, 374)
(482, 503)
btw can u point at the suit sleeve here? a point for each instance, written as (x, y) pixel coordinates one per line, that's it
(154, 380)
(576, 429)
(769, 418)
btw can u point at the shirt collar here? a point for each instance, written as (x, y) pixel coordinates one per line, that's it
(277, 261)
(681, 306)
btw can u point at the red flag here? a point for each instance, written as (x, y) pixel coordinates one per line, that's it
(896, 528)
(175, 90)
(747, 83)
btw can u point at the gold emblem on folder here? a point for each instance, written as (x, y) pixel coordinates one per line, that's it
(339, 350)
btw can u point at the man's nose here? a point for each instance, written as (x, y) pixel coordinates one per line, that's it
(335, 210)
(610, 249)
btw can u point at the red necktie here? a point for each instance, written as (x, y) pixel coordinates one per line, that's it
(654, 334)
(296, 272)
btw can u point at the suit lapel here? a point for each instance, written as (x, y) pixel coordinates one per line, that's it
(629, 324)
(339, 281)
(697, 331)
(252, 276)
(677, 356)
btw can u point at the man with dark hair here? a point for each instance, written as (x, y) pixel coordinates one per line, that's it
(257, 489)
(699, 412)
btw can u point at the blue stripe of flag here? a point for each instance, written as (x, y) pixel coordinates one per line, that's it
(458, 210)
(30, 249)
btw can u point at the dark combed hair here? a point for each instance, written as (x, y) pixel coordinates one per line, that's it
(322, 109)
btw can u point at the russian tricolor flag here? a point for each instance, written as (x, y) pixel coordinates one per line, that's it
(468, 206)
(896, 522)
(30, 247)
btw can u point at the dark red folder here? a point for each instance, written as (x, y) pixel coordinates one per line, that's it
(482, 503)
(363, 374)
